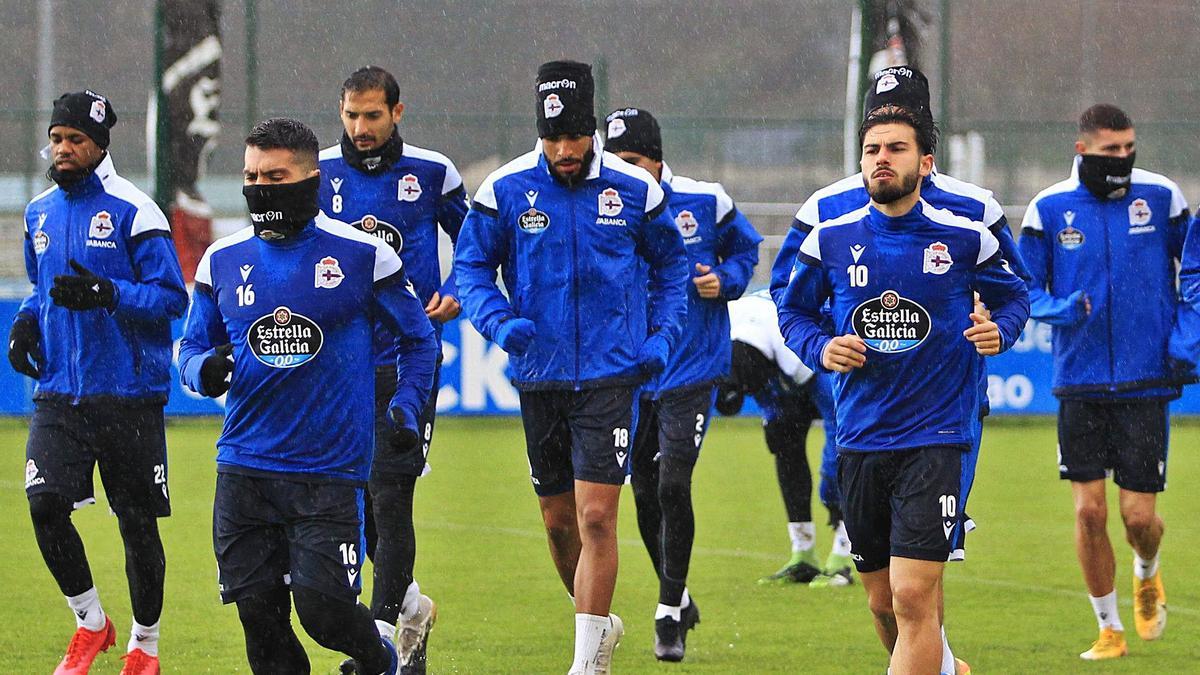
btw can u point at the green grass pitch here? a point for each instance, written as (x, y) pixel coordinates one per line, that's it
(1016, 606)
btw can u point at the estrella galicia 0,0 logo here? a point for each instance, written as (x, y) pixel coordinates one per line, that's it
(890, 323)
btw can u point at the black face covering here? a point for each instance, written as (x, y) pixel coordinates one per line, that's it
(282, 209)
(373, 161)
(1106, 177)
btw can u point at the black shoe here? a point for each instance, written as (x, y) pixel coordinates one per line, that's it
(670, 636)
(797, 573)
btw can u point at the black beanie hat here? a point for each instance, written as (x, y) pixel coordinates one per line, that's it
(564, 99)
(634, 130)
(902, 86)
(86, 111)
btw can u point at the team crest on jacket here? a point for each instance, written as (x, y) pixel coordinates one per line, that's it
(409, 188)
(328, 273)
(382, 230)
(101, 226)
(937, 258)
(890, 323)
(533, 221)
(610, 202)
(687, 223)
(41, 242)
(552, 106)
(1070, 238)
(1139, 217)
(284, 339)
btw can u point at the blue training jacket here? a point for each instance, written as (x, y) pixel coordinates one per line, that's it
(716, 234)
(402, 204)
(905, 285)
(116, 231)
(300, 315)
(1121, 254)
(572, 260)
(937, 189)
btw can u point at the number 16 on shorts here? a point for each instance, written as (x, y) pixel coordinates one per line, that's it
(350, 562)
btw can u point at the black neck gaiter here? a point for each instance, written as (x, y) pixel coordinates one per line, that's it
(377, 160)
(1106, 177)
(282, 209)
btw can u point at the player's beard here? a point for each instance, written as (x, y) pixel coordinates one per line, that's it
(575, 177)
(886, 194)
(65, 178)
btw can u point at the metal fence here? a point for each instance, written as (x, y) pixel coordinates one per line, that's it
(767, 165)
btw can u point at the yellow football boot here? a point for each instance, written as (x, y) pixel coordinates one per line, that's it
(1110, 645)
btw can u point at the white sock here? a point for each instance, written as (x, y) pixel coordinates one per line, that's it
(385, 629)
(841, 540)
(671, 612)
(803, 536)
(1106, 611)
(948, 667)
(411, 603)
(1145, 569)
(144, 638)
(668, 612)
(88, 613)
(589, 632)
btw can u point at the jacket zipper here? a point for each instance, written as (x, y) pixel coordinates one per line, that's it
(575, 283)
(70, 233)
(1108, 310)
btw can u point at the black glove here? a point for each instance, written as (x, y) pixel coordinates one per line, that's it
(24, 346)
(404, 426)
(82, 290)
(1179, 371)
(729, 400)
(215, 371)
(404, 439)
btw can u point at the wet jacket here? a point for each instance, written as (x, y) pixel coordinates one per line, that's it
(116, 231)
(1121, 254)
(576, 261)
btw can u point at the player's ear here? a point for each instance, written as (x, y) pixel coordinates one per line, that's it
(926, 165)
(397, 112)
(314, 172)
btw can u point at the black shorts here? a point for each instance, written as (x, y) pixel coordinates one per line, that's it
(674, 424)
(270, 532)
(126, 440)
(1126, 437)
(387, 461)
(577, 435)
(901, 503)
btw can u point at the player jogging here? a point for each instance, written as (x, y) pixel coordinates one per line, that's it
(900, 277)
(399, 193)
(1101, 248)
(676, 404)
(282, 317)
(577, 234)
(790, 397)
(96, 335)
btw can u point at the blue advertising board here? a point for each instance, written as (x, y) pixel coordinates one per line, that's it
(475, 379)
